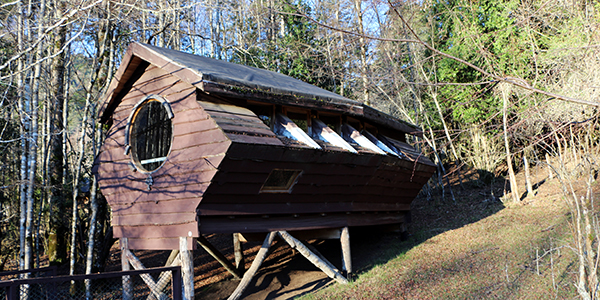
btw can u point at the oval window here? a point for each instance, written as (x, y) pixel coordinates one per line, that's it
(150, 135)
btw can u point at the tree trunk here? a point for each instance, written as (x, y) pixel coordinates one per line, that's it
(57, 226)
(33, 144)
(24, 129)
(511, 173)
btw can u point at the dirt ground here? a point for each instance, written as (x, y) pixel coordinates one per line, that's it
(284, 274)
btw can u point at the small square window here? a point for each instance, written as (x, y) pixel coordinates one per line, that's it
(280, 181)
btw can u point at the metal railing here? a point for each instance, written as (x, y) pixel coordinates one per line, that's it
(150, 284)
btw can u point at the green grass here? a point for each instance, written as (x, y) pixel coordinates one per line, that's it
(472, 249)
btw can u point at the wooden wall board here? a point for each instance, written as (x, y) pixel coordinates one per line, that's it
(301, 222)
(155, 218)
(158, 243)
(177, 159)
(163, 231)
(297, 207)
(248, 139)
(121, 194)
(163, 206)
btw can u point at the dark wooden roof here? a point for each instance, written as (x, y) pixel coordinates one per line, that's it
(234, 80)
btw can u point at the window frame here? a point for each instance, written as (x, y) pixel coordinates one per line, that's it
(135, 164)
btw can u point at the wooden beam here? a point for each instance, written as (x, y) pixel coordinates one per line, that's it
(346, 257)
(216, 254)
(138, 265)
(165, 277)
(187, 268)
(123, 243)
(238, 252)
(313, 258)
(260, 256)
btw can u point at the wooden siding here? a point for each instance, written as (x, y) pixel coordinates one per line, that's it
(240, 124)
(331, 183)
(301, 222)
(156, 218)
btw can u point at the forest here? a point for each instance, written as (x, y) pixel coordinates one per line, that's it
(496, 86)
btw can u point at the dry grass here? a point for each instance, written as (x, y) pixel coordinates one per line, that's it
(476, 248)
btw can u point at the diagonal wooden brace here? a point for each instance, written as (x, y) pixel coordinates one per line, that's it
(322, 264)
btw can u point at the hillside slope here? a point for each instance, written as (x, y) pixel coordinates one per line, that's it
(474, 248)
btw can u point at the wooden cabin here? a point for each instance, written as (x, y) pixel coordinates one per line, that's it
(197, 146)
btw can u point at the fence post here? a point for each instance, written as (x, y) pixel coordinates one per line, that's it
(13, 290)
(176, 283)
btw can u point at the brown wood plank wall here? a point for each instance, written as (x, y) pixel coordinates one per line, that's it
(331, 182)
(155, 218)
(240, 124)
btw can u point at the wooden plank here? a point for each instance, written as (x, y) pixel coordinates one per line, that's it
(225, 108)
(164, 184)
(248, 139)
(154, 219)
(176, 176)
(293, 207)
(340, 189)
(247, 128)
(126, 194)
(304, 235)
(154, 244)
(231, 118)
(292, 200)
(165, 206)
(179, 161)
(289, 223)
(156, 231)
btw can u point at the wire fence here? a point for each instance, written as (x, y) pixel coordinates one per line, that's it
(151, 284)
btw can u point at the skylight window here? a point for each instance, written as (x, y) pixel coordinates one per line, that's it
(280, 181)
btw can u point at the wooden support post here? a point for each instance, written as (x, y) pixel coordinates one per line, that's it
(216, 254)
(238, 253)
(313, 258)
(346, 257)
(125, 267)
(187, 268)
(165, 277)
(317, 253)
(260, 256)
(155, 290)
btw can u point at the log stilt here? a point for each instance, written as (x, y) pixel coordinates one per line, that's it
(238, 253)
(346, 257)
(260, 256)
(165, 277)
(124, 244)
(156, 291)
(216, 254)
(317, 253)
(187, 268)
(313, 258)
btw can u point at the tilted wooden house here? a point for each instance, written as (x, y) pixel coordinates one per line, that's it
(197, 145)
